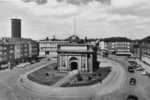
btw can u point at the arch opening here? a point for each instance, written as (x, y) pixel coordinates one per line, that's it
(73, 63)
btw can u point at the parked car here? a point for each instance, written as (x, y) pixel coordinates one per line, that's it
(131, 69)
(132, 81)
(142, 72)
(4, 66)
(148, 74)
(22, 65)
(139, 66)
(33, 61)
(132, 97)
(132, 62)
(140, 69)
(48, 59)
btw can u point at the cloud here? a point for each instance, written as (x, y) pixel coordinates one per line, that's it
(127, 3)
(92, 15)
(36, 1)
(73, 2)
(51, 8)
(84, 2)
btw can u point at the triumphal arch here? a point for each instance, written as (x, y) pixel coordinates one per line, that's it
(74, 56)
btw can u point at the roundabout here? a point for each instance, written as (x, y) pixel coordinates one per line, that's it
(110, 84)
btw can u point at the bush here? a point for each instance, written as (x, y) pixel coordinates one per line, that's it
(79, 77)
(85, 79)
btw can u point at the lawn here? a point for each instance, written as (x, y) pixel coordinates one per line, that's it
(46, 75)
(85, 79)
(49, 76)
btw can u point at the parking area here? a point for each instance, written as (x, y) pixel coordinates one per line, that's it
(137, 67)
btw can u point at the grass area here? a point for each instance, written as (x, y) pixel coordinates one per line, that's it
(46, 75)
(85, 79)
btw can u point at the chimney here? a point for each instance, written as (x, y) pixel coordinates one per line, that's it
(16, 28)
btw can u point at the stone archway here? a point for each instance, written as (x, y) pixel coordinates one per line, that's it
(73, 63)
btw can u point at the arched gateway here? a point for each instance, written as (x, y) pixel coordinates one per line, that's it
(73, 63)
(75, 56)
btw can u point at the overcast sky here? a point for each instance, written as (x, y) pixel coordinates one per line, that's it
(94, 18)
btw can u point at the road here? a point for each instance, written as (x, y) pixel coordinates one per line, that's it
(141, 89)
(112, 85)
(109, 85)
(8, 88)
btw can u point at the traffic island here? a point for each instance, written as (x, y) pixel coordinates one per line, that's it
(79, 90)
(46, 75)
(87, 79)
(49, 76)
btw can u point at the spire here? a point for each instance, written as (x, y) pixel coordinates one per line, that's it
(74, 25)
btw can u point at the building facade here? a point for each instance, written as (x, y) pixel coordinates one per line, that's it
(33, 48)
(80, 57)
(16, 28)
(118, 45)
(49, 47)
(15, 50)
(145, 46)
(6, 52)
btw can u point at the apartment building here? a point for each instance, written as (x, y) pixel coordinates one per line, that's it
(15, 50)
(48, 47)
(6, 52)
(145, 46)
(118, 45)
(33, 48)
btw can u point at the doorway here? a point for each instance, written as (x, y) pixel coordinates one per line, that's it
(74, 65)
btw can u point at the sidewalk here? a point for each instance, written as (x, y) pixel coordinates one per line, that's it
(66, 79)
(145, 66)
(146, 59)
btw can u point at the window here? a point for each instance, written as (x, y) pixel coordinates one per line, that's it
(4, 53)
(1, 52)
(83, 64)
(4, 47)
(63, 61)
(11, 51)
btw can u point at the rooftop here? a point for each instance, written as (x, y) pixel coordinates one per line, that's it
(146, 39)
(116, 39)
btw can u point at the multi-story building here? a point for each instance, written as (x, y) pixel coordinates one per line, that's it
(6, 52)
(33, 48)
(118, 45)
(21, 49)
(135, 48)
(145, 46)
(16, 49)
(141, 49)
(15, 28)
(48, 47)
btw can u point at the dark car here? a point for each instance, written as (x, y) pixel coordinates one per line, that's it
(134, 63)
(132, 97)
(132, 81)
(148, 74)
(48, 59)
(131, 69)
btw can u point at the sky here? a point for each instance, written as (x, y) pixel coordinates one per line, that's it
(94, 18)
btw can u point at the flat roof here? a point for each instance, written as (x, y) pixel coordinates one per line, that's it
(75, 44)
(74, 51)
